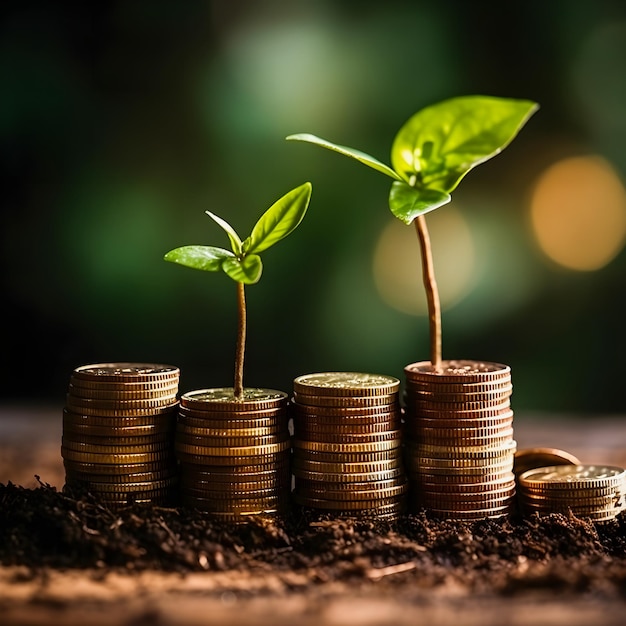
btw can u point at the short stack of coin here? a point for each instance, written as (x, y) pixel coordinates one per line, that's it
(118, 432)
(597, 493)
(459, 439)
(347, 455)
(234, 454)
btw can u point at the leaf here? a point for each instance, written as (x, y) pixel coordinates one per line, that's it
(205, 258)
(440, 144)
(247, 270)
(279, 220)
(235, 241)
(407, 202)
(364, 158)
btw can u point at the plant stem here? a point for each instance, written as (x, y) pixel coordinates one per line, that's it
(432, 292)
(241, 342)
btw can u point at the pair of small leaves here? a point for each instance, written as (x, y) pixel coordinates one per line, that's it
(243, 264)
(438, 146)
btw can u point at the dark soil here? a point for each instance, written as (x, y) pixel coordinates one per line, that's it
(44, 528)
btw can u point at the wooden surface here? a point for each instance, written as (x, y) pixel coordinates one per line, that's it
(30, 444)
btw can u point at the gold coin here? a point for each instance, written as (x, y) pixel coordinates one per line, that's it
(80, 446)
(165, 419)
(272, 481)
(413, 413)
(228, 442)
(378, 412)
(223, 399)
(312, 400)
(154, 413)
(461, 476)
(217, 451)
(458, 387)
(574, 476)
(76, 403)
(455, 371)
(243, 473)
(347, 457)
(461, 452)
(88, 385)
(454, 436)
(236, 492)
(349, 478)
(231, 514)
(76, 476)
(240, 505)
(352, 505)
(78, 430)
(111, 458)
(433, 405)
(466, 488)
(277, 423)
(580, 492)
(338, 467)
(109, 395)
(532, 458)
(124, 371)
(495, 513)
(119, 469)
(135, 487)
(345, 384)
(352, 438)
(232, 461)
(414, 423)
(116, 441)
(312, 427)
(220, 433)
(272, 414)
(343, 496)
(357, 448)
(488, 397)
(451, 465)
(587, 502)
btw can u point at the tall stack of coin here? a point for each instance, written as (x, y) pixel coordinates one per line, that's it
(459, 439)
(118, 432)
(597, 493)
(234, 454)
(347, 455)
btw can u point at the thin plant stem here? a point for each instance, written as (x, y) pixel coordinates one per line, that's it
(432, 292)
(241, 341)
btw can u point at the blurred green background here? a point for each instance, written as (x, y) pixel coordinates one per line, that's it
(122, 122)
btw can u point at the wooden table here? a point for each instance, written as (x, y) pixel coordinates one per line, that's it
(30, 439)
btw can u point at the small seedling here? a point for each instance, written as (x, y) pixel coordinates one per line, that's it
(430, 155)
(244, 264)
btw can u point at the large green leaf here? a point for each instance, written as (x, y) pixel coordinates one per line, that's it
(235, 240)
(279, 220)
(440, 144)
(407, 202)
(247, 270)
(362, 157)
(207, 258)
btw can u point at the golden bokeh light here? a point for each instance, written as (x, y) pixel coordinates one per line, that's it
(397, 265)
(578, 213)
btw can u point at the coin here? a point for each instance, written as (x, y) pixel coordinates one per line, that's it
(574, 476)
(111, 458)
(313, 400)
(165, 419)
(223, 398)
(357, 438)
(123, 371)
(452, 371)
(80, 446)
(205, 441)
(354, 448)
(348, 477)
(348, 467)
(338, 505)
(165, 394)
(531, 458)
(346, 384)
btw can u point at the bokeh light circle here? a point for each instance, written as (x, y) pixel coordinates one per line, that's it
(578, 213)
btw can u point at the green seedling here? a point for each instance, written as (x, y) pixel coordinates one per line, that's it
(430, 155)
(243, 264)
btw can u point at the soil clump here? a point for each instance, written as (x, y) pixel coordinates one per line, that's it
(43, 528)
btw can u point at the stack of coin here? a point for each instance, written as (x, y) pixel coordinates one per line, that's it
(118, 432)
(347, 455)
(459, 439)
(234, 454)
(597, 493)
